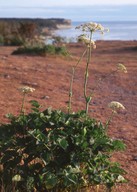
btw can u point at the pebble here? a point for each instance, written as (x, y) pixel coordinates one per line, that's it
(45, 97)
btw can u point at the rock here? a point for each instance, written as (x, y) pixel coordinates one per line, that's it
(134, 158)
(4, 57)
(45, 97)
(30, 84)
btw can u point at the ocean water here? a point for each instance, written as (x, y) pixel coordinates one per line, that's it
(121, 20)
(118, 30)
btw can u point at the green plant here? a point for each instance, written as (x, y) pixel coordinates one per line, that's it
(54, 151)
(16, 41)
(1, 40)
(16, 33)
(58, 40)
(88, 30)
(42, 50)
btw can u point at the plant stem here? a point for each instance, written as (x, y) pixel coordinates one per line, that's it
(71, 89)
(87, 99)
(110, 119)
(23, 102)
(72, 80)
(97, 188)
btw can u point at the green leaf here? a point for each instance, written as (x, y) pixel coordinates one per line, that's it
(35, 104)
(119, 145)
(73, 178)
(63, 143)
(51, 181)
(35, 109)
(88, 99)
(84, 131)
(9, 116)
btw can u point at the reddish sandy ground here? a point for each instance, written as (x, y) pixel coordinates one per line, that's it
(50, 76)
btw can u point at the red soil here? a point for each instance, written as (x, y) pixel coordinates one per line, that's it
(50, 76)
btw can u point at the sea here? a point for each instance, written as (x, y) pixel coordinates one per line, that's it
(121, 20)
(118, 30)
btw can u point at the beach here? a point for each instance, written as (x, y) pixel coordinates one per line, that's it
(51, 75)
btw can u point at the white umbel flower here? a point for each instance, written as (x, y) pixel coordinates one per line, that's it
(87, 41)
(120, 179)
(16, 178)
(26, 89)
(92, 27)
(121, 67)
(114, 105)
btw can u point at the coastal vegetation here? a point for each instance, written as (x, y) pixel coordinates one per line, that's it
(57, 151)
(41, 51)
(18, 31)
(31, 35)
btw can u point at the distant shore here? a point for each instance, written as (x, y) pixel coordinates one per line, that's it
(53, 23)
(47, 26)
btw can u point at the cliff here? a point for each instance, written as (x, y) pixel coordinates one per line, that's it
(53, 23)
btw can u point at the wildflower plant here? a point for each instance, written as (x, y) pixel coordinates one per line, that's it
(54, 151)
(115, 107)
(86, 37)
(25, 90)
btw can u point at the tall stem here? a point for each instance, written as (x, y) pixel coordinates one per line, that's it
(87, 99)
(23, 102)
(71, 90)
(110, 119)
(72, 80)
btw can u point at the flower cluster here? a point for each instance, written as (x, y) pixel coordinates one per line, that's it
(16, 178)
(92, 27)
(114, 105)
(120, 179)
(26, 89)
(121, 67)
(87, 41)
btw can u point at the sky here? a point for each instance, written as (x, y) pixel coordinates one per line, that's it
(48, 3)
(85, 10)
